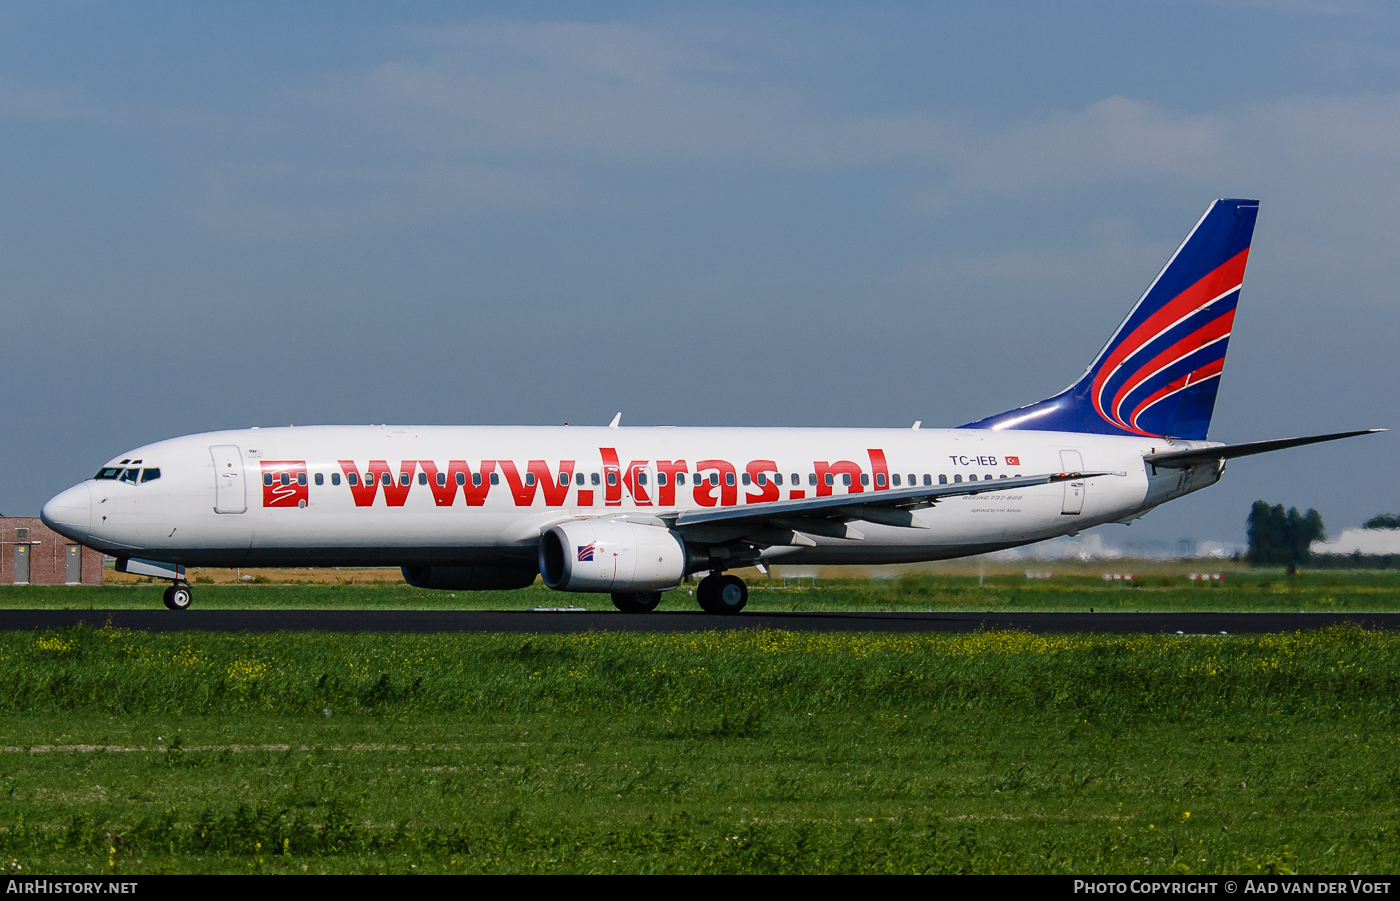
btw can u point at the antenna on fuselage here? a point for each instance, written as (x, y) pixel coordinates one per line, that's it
(918, 423)
(616, 420)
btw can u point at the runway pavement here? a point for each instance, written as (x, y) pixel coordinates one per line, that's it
(430, 621)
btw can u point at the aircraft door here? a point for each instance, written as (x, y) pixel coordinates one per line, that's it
(1071, 461)
(230, 495)
(640, 482)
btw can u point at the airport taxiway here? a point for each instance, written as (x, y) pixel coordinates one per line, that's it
(440, 621)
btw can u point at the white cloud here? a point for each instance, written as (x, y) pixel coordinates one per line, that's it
(508, 116)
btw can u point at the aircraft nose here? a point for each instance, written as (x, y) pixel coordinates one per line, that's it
(69, 513)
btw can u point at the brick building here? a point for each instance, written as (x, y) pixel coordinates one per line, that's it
(33, 554)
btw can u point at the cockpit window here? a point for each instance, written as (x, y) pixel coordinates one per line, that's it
(108, 472)
(129, 475)
(150, 474)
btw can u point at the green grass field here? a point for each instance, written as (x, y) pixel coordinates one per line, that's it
(1244, 589)
(707, 752)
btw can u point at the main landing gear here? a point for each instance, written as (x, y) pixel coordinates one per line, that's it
(177, 596)
(716, 593)
(722, 594)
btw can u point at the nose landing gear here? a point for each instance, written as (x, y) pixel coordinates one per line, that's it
(177, 596)
(722, 594)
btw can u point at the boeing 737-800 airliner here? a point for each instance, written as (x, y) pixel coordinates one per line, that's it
(634, 511)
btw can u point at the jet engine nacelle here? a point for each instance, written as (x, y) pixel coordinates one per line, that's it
(468, 578)
(611, 556)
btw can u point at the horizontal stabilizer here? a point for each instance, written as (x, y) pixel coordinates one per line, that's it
(1187, 458)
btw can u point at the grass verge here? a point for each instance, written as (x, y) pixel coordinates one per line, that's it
(709, 752)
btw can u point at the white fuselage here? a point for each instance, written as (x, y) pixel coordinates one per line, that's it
(220, 500)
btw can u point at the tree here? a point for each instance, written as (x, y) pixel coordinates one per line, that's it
(1382, 521)
(1277, 538)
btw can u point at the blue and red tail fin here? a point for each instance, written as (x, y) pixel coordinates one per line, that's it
(1159, 373)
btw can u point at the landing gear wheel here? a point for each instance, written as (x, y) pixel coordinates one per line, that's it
(722, 594)
(636, 602)
(177, 596)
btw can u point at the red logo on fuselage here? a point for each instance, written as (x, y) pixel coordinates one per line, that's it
(284, 483)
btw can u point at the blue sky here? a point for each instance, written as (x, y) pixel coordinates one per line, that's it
(757, 214)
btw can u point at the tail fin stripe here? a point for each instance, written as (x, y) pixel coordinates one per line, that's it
(1130, 373)
(1227, 277)
(1211, 370)
(1184, 374)
(1171, 358)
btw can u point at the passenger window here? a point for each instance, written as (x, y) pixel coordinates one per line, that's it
(957, 478)
(353, 478)
(461, 478)
(680, 478)
(593, 477)
(285, 478)
(384, 479)
(846, 479)
(729, 479)
(796, 480)
(879, 480)
(777, 478)
(762, 478)
(423, 478)
(335, 478)
(530, 479)
(812, 478)
(129, 475)
(714, 478)
(267, 478)
(301, 479)
(1001, 477)
(942, 479)
(579, 479)
(442, 478)
(865, 479)
(972, 477)
(404, 479)
(476, 479)
(661, 479)
(747, 480)
(150, 475)
(830, 480)
(612, 479)
(928, 479)
(641, 478)
(912, 480)
(563, 480)
(495, 478)
(896, 480)
(320, 479)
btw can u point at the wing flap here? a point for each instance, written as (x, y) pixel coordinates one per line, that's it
(824, 515)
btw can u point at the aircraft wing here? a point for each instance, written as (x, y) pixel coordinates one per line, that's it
(1184, 459)
(827, 515)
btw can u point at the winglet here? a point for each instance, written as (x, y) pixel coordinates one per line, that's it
(616, 419)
